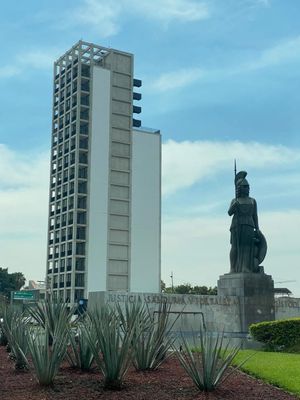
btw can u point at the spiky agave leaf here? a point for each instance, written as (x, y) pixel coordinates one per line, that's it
(154, 339)
(207, 367)
(80, 354)
(14, 327)
(111, 346)
(46, 359)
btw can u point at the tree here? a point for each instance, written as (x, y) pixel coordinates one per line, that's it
(10, 282)
(187, 288)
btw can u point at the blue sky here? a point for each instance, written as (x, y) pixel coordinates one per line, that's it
(221, 79)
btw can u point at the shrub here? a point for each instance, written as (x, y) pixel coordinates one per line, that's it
(207, 366)
(277, 335)
(48, 340)
(153, 339)
(14, 328)
(46, 359)
(111, 345)
(80, 354)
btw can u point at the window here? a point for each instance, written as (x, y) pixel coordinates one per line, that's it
(81, 217)
(62, 265)
(57, 236)
(64, 220)
(79, 294)
(83, 159)
(81, 202)
(68, 279)
(82, 172)
(63, 235)
(80, 249)
(69, 266)
(80, 233)
(82, 187)
(65, 190)
(72, 172)
(80, 264)
(64, 204)
(71, 203)
(70, 233)
(69, 249)
(71, 188)
(70, 219)
(79, 280)
(85, 70)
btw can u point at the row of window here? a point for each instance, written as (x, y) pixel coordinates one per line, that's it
(65, 295)
(69, 118)
(67, 219)
(67, 73)
(67, 204)
(62, 235)
(69, 145)
(69, 160)
(65, 264)
(68, 132)
(68, 189)
(62, 280)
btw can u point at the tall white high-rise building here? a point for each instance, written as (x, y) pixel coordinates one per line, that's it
(105, 188)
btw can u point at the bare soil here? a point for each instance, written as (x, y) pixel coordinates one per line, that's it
(169, 382)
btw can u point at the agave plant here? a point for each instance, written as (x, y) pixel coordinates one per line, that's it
(14, 329)
(111, 346)
(48, 340)
(153, 339)
(50, 313)
(46, 359)
(209, 365)
(80, 354)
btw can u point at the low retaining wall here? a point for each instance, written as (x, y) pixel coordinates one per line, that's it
(220, 313)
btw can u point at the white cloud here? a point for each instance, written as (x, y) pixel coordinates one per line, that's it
(38, 59)
(8, 71)
(24, 182)
(104, 16)
(171, 10)
(285, 51)
(100, 14)
(186, 163)
(177, 79)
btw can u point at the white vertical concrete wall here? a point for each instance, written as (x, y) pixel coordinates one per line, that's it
(98, 181)
(145, 212)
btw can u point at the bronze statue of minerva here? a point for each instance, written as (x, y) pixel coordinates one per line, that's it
(248, 244)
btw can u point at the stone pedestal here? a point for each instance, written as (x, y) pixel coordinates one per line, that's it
(255, 292)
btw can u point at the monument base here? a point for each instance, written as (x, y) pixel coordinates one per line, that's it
(255, 292)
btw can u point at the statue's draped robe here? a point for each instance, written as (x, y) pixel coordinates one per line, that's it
(244, 223)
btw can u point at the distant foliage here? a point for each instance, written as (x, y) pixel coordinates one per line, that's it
(10, 282)
(277, 335)
(187, 288)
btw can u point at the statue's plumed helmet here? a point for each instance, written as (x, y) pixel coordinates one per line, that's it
(240, 181)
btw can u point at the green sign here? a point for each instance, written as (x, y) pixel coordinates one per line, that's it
(23, 295)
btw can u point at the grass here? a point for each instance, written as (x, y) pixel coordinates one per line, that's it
(279, 369)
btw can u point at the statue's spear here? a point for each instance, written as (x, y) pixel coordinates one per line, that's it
(235, 177)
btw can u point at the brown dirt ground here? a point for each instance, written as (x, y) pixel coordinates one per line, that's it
(169, 382)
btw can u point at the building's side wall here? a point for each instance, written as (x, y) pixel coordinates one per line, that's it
(145, 213)
(98, 181)
(119, 202)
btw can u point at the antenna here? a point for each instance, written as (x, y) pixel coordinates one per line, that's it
(172, 281)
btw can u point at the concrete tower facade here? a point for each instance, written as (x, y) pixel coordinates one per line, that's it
(104, 202)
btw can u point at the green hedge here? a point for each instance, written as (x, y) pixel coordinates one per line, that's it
(277, 335)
